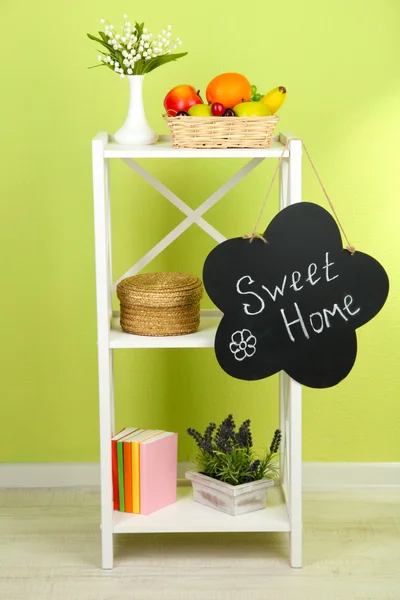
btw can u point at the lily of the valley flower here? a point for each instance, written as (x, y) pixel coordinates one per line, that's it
(136, 40)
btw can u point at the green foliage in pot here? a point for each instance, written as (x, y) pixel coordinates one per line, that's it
(227, 455)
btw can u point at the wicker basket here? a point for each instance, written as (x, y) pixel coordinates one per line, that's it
(221, 132)
(160, 303)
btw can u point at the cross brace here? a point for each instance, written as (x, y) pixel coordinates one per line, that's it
(192, 216)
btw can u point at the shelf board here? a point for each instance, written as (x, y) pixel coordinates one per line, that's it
(203, 338)
(185, 515)
(163, 149)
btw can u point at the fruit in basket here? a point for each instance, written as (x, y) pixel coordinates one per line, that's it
(181, 97)
(251, 109)
(255, 95)
(229, 113)
(275, 98)
(200, 110)
(182, 113)
(229, 89)
(217, 109)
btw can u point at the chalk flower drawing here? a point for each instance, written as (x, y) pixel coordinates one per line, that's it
(243, 344)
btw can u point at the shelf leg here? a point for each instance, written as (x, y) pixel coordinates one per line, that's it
(283, 183)
(109, 289)
(283, 377)
(294, 191)
(295, 466)
(294, 195)
(105, 387)
(101, 195)
(283, 426)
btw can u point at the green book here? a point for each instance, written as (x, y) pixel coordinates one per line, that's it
(120, 454)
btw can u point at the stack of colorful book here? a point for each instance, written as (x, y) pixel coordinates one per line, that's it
(144, 469)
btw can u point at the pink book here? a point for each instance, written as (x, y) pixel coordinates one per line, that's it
(158, 472)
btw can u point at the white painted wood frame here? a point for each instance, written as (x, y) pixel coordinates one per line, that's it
(283, 512)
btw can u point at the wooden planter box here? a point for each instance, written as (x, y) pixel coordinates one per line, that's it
(231, 499)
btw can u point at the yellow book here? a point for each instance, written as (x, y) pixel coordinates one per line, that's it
(147, 434)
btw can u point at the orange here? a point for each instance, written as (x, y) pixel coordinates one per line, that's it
(229, 89)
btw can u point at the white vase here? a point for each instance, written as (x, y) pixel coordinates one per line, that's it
(136, 129)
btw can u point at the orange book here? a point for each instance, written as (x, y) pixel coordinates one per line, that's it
(127, 468)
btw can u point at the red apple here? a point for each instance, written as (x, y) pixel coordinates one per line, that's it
(181, 97)
(217, 109)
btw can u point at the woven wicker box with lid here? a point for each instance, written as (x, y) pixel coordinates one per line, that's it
(160, 304)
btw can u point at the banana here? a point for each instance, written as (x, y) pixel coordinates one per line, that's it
(275, 98)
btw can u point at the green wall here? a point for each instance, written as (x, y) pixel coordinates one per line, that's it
(339, 61)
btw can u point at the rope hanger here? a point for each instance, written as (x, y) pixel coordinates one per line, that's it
(254, 234)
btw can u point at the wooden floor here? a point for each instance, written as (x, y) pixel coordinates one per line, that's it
(49, 548)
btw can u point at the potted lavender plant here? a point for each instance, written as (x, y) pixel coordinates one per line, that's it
(229, 476)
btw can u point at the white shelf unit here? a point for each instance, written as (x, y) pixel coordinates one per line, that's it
(283, 511)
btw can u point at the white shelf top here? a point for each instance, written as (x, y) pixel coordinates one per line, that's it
(185, 515)
(203, 338)
(163, 149)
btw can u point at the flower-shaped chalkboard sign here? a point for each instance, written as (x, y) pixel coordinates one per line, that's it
(294, 302)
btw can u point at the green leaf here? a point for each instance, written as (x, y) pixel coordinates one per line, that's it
(119, 56)
(115, 54)
(154, 63)
(103, 36)
(139, 66)
(139, 29)
(95, 39)
(103, 65)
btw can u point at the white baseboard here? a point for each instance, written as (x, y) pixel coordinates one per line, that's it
(318, 476)
(49, 475)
